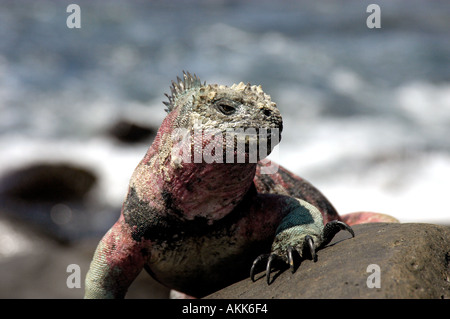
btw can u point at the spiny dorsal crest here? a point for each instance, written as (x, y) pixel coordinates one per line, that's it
(181, 87)
(189, 83)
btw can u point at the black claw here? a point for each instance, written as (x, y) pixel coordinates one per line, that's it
(269, 263)
(332, 228)
(255, 263)
(310, 242)
(290, 258)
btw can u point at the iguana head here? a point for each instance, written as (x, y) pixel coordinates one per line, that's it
(242, 109)
(186, 172)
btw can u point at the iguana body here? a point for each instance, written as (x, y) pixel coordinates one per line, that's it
(197, 226)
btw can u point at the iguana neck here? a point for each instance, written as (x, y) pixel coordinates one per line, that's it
(210, 190)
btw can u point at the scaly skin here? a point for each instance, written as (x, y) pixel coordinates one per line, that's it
(197, 226)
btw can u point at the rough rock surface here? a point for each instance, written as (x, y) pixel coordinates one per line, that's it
(414, 261)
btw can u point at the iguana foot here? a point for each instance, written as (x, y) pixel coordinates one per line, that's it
(299, 240)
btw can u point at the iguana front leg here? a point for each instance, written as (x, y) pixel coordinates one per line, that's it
(117, 261)
(302, 230)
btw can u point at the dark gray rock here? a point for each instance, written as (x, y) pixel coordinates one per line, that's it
(47, 182)
(129, 132)
(413, 260)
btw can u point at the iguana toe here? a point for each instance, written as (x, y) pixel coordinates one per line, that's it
(332, 228)
(310, 242)
(255, 263)
(290, 258)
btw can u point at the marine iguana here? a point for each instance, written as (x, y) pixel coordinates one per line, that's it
(198, 223)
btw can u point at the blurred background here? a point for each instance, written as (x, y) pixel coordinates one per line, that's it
(366, 111)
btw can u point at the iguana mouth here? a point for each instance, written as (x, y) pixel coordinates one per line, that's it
(249, 145)
(265, 138)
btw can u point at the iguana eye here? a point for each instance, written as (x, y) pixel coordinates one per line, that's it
(226, 106)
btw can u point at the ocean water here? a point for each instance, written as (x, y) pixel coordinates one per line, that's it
(366, 111)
